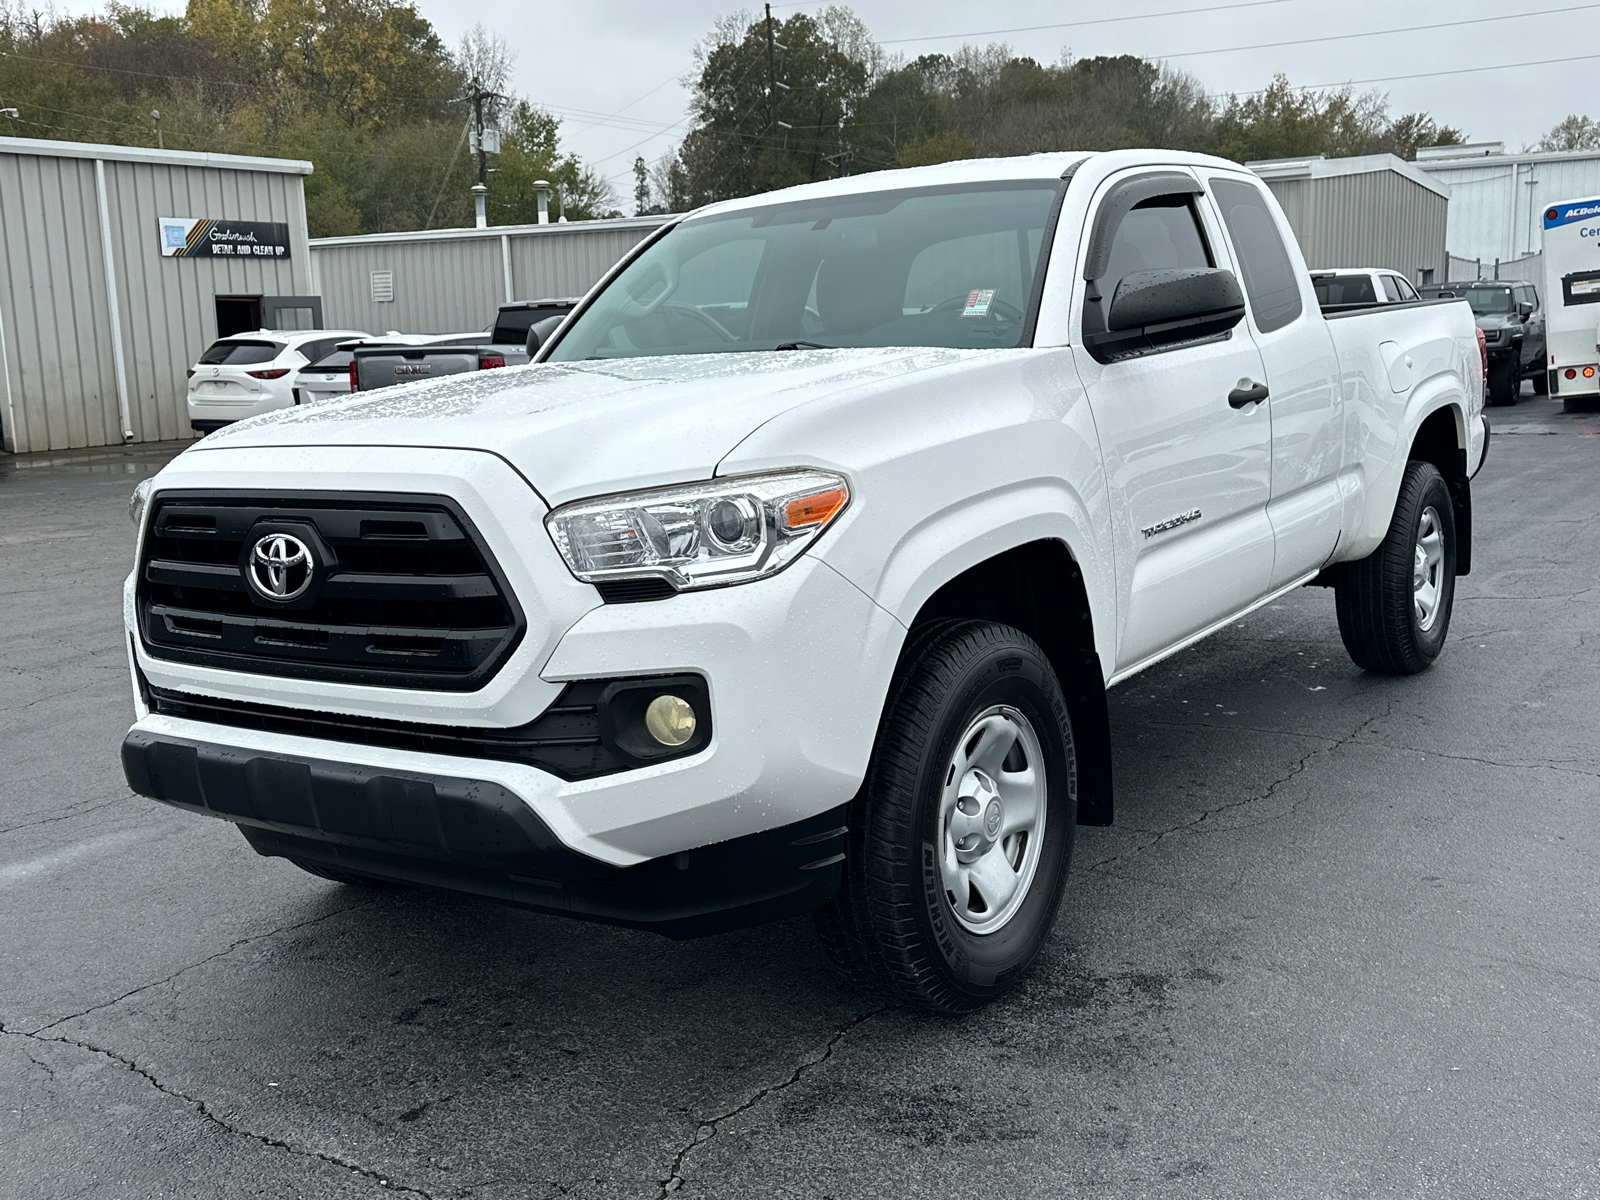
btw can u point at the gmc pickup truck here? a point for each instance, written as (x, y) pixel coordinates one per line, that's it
(792, 575)
(517, 332)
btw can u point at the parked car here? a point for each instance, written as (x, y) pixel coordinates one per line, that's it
(1360, 286)
(244, 376)
(699, 622)
(516, 332)
(1511, 315)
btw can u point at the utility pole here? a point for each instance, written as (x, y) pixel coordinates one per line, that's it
(772, 78)
(480, 192)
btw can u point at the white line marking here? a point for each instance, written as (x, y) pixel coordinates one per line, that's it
(47, 864)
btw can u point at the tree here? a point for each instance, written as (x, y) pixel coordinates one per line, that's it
(365, 89)
(1573, 133)
(768, 117)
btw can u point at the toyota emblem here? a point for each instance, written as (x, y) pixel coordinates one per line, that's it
(280, 566)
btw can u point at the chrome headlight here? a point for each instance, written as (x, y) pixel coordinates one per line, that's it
(139, 501)
(702, 535)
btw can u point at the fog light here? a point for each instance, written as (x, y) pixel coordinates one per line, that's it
(670, 720)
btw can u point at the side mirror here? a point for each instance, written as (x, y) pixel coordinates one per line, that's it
(539, 333)
(1155, 309)
(1524, 309)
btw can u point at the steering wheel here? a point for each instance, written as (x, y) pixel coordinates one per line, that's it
(705, 318)
(662, 273)
(1010, 312)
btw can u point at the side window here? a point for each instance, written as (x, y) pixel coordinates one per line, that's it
(1269, 277)
(1407, 292)
(1157, 234)
(1391, 289)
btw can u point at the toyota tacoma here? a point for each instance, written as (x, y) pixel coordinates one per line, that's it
(791, 575)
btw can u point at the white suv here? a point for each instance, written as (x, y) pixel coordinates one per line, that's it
(250, 373)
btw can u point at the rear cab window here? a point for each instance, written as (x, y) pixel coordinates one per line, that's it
(1391, 289)
(1269, 276)
(241, 352)
(1343, 289)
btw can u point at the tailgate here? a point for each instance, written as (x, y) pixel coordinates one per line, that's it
(398, 364)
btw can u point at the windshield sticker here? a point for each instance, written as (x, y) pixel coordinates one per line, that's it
(978, 301)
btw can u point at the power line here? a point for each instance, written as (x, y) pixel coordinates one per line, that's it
(1543, 62)
(1341, 37)
(1177, 12)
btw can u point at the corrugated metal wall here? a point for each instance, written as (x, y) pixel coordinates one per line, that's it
(60, 386)
(451, 281)
(1372, 219)
(1496, 202)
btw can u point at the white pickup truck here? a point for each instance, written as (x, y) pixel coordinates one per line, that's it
(792, 576)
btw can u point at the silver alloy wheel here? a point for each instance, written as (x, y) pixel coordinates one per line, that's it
(1427, 569)
(991, 819)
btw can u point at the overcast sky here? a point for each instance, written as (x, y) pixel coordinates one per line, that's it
(611, 70)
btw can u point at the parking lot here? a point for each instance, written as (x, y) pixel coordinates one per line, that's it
(1341, 942)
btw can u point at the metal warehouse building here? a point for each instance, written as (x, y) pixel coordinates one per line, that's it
(1497, 199)
(119, 265)
(452, 280)
(1375, 210)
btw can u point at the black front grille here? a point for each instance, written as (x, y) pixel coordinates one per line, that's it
(404, 593)
(565, 739)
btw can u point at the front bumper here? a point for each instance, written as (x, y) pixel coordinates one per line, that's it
(797, 668)
(475, 836)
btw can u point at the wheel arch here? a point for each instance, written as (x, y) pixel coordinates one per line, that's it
(1039, 587)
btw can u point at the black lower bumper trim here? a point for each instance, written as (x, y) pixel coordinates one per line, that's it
(475, 837)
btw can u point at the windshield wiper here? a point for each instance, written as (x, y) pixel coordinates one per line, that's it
(803, 346)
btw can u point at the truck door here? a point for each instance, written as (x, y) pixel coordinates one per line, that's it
(1302, 376)
(1188, 471)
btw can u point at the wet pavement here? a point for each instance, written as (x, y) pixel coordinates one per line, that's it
(1342, 942)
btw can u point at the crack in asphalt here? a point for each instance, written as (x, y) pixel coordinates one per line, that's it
(1295, 770)
(232, 946)
(67, 816)
(204, 1109)
(707, 1129)
(1488, 762)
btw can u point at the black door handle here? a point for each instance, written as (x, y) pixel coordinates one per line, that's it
(1241, 396)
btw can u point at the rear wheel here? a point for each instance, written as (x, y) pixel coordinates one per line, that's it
(1394, 605)
(1541, 383)
(960, 838)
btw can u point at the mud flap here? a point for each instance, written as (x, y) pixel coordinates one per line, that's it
(1091, 732)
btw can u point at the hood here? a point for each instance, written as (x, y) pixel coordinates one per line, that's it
(1490, 322)
(585, 429)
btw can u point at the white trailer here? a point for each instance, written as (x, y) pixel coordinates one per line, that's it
(1572, 298)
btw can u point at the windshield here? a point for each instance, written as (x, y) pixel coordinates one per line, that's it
(238, 354)
(1482, 300)
(946, 266)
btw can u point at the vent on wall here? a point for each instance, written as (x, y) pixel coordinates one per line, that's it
(382, 287)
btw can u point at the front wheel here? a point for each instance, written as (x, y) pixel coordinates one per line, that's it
(1394, 605)
(960, 838)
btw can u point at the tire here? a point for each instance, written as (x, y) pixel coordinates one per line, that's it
(1541, 383)
(971, 703)
(1503, 382)
(1394, 605)
(352, 878)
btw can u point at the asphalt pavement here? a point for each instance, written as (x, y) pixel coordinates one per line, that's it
(1342, 942)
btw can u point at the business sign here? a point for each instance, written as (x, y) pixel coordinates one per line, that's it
(201, 237)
